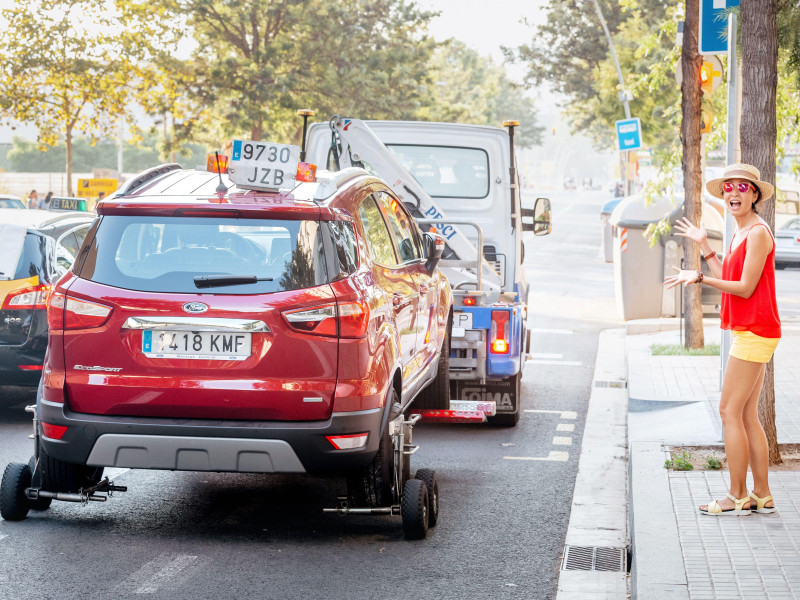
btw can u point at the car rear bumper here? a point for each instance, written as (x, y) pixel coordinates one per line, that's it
(787, 255)
(211, 445)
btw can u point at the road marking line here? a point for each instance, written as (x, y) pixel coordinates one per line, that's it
(558, 331)
(4, 536)
(545, 355)
(565, 414)
(562, 441)
(563, 363)
(554, 456)
(565, 427)
(112, 472)
(156, 573)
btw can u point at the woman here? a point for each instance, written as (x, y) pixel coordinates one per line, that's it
(749, 309)
(44, 203)
(33, 199)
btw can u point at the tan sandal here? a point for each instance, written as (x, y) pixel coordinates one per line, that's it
(715, 510)
(761, 504)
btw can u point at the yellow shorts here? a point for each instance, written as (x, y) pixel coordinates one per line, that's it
(746, 345)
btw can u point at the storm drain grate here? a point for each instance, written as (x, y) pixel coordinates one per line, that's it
(619, 384)
(594, 558)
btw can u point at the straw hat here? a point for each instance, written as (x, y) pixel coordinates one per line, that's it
(740, 171)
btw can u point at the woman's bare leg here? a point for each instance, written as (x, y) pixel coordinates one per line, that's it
(759, 450)
(741, 378)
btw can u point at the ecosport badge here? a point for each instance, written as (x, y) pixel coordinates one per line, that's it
(195, 307)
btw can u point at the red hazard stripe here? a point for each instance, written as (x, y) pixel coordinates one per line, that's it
(452, 416)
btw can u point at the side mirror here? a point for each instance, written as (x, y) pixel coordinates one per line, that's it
(539, 222)
(434, 246)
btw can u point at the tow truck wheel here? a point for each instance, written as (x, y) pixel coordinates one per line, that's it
(372, 486)
(437, 394)
(429, 477)
(414, 509)
(39, 503)
(510, 419)
(14, 504)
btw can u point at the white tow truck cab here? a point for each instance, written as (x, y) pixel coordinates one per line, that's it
(462, 179)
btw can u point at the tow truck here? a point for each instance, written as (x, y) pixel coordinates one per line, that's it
(463, 181)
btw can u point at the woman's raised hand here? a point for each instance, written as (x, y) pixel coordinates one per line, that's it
(681, 276)
(685, 228)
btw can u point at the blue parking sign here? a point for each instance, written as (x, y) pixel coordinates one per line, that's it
(629, 134)
(713, 29)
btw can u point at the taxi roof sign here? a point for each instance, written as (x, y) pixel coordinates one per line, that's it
(64, 204)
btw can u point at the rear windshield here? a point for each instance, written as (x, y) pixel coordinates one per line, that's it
(447, 171)
(164, 254)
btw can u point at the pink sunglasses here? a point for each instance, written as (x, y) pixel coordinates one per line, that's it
(743, 186)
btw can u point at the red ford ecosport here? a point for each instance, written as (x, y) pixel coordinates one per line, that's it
(243, 331)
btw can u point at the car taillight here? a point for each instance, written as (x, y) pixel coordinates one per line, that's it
(70, 313)
(30, 297)
(352, 318)
(499, 335)
(54, 432)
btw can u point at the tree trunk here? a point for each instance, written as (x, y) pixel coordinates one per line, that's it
(68, 144)
(257, 130)
(758, 140)
(691, 110)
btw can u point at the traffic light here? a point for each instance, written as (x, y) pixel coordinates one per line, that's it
(707, 78)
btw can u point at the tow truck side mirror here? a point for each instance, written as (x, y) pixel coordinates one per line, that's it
(538, 219)
(434, 246)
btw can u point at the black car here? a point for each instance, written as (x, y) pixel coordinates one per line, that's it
(36, 248)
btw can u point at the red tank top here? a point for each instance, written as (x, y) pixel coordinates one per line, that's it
(758, 313)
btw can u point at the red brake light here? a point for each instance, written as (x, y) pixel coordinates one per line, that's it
(27, 298)
(468, 301)
(70, 313)
(352, 319)
(499, 335)
(54, 432)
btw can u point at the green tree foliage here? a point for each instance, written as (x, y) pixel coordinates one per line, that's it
(469, 88)
(570, 52)
(73, 66)
(25, 155)
(257, 61)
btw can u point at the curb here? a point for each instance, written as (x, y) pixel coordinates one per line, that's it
(598, 516)
(657, 570)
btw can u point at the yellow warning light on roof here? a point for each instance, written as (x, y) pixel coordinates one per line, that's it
(305, 112)
(510, 123)
(213, 167)
(306, 172)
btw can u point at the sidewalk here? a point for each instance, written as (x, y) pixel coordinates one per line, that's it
(678, 553)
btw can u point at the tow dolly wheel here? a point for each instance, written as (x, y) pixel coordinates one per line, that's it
(414, 509)
(39, 503)
(428, 476)
(14, 504)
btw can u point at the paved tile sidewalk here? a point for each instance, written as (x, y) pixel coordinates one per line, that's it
(724, 558)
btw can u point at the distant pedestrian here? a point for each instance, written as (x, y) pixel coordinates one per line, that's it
(746, 278)
(44, 203)
(33, 199)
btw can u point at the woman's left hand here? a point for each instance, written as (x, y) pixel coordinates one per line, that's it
(681, 276)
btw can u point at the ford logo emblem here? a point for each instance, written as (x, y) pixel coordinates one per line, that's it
(195, 307)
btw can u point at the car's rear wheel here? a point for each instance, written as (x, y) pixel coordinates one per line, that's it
(428, 476)
(437, 394)
(510, 419)
(372, 486)
(60, 476)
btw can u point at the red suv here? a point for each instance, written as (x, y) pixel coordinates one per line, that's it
(242, 331)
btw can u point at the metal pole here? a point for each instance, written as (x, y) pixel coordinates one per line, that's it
(734, 92)
(623, 95)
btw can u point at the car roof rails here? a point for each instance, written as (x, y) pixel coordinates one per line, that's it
(146, 176)
(331, 181)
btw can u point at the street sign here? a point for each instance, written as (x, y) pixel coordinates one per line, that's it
(713, 29)
(629, 134)
(91, 188)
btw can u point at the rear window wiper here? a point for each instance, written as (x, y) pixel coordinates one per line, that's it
(207, 281)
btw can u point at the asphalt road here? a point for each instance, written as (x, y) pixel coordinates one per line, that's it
(505, 493)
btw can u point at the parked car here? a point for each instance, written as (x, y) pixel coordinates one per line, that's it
(787, 244)
(11, 202)
(242, 331)
(36, 248)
